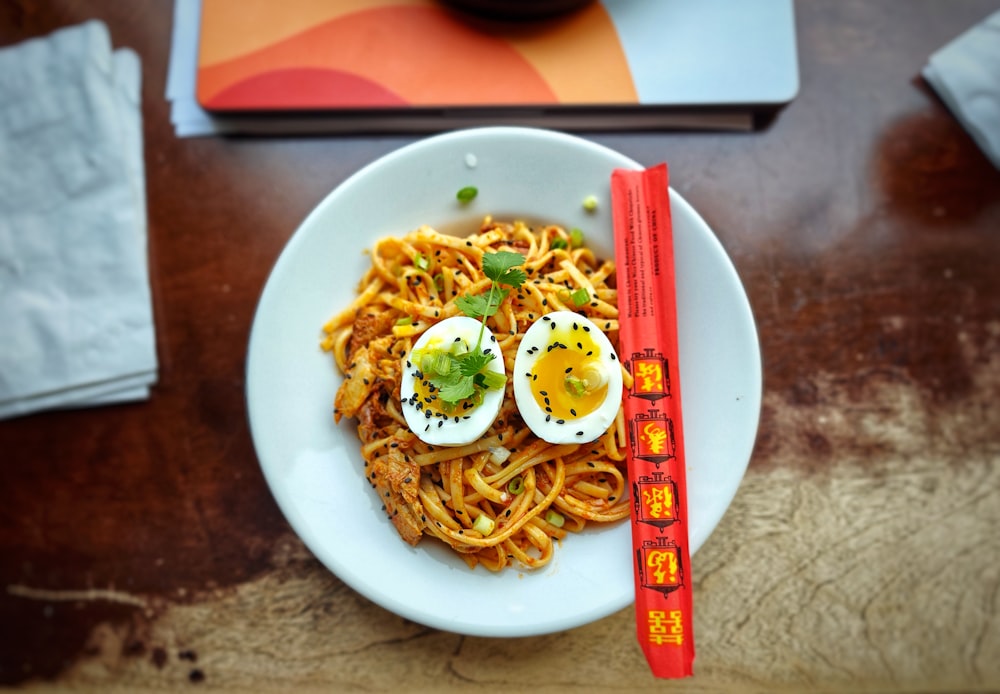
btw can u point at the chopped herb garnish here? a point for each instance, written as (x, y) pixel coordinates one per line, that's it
(580, 297)
(465, 374)
(575, 237)
(558, 243)
(467, 194)
(515, 486)
(484, 525)
(421, 261)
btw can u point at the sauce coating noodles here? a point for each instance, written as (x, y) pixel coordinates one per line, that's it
(531, 493)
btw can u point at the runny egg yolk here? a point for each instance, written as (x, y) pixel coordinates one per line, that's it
(569, 381)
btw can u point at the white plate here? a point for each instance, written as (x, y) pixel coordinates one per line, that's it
(314, 468)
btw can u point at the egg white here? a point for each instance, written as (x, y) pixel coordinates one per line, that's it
(463, 426)
(552, 338)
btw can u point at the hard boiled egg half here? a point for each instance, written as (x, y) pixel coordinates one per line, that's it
(567, 379)
(433, 418)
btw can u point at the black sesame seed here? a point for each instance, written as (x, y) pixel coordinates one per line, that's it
(580, 433)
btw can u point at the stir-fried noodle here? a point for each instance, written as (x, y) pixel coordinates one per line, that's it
(531, 491)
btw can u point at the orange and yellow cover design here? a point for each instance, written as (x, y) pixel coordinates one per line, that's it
(261, 55)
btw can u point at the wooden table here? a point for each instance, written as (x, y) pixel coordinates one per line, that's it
(141, 548)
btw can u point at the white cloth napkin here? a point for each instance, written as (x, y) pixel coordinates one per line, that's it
(76, 323)
(966, 75)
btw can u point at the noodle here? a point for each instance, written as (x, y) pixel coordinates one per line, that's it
(532, 493)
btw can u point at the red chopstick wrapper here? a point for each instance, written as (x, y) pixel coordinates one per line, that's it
(647, 311)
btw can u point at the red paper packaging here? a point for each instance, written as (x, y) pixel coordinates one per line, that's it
(647, 307)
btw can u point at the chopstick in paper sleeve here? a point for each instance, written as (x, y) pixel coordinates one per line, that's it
(647, 307)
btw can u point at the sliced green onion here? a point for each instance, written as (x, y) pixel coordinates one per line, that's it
(515, 486)
(483, 525)
(590, 203)
(405, 320)
(421, 261)
(558, 243)
(575, 238)
(467, 194)
(554, 518)
(441, 364)
(580, 297)
(439, 282)
(491, 380)
(576, 387)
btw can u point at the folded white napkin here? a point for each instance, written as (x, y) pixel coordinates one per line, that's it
(966, 75)
(75, 308)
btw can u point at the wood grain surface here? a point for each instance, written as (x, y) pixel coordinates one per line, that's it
(140, 549)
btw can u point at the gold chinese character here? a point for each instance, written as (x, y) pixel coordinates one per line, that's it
(660, 501)
(664, 565)
(649, 374)
(654, 436)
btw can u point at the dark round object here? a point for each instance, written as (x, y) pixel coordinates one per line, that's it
(517, 9)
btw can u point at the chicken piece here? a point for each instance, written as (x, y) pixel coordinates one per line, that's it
(397, 479)
(369, 327)
(357, 386)
(373, 421)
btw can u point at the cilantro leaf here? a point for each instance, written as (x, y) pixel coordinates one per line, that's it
(474, 306)
(481, 305)
(513, 278)
(474, 362)
(496, 265)
(469, 379)
(462, 387)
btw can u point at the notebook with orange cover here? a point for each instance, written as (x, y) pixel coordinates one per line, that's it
(376, 57)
